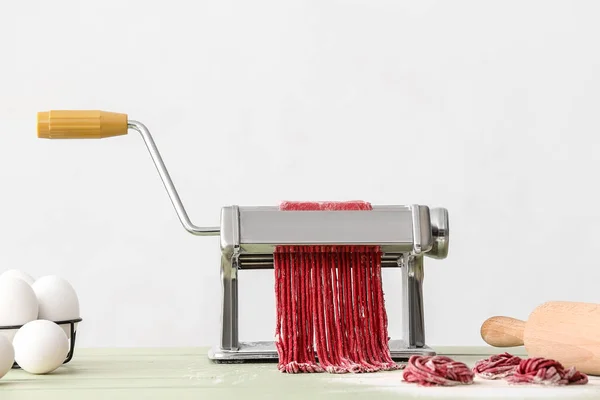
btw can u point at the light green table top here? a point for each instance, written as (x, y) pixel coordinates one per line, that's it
(188, 374)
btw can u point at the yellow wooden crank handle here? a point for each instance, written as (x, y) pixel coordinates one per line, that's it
(80, 124)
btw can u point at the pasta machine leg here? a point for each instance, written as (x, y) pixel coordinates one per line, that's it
(414, 319)
(229, 317)
(413, 322)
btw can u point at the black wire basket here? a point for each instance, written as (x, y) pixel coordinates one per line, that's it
(71, 323)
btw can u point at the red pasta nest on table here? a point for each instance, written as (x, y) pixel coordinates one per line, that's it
(497, 367)
(544, 371)
(437, 371)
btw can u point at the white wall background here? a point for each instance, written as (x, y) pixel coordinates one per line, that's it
(487, 108)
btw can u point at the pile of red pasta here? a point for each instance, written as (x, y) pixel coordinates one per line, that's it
(444, 371)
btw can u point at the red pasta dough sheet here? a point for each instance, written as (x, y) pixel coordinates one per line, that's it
(325, 205)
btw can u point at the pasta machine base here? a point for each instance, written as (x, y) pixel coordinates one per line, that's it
(266, 352)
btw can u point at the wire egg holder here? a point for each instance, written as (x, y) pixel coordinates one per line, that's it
(71, 323)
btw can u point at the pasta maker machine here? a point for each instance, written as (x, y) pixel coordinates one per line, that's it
(249, 235)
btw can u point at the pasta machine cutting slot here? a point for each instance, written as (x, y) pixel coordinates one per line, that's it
(249, 235)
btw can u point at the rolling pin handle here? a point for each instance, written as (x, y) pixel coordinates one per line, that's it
(503, 332)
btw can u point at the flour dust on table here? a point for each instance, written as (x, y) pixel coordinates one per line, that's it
(392, 382)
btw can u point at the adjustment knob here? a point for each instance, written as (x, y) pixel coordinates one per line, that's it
(440, 232)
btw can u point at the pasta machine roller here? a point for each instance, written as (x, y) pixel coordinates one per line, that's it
(248, 236)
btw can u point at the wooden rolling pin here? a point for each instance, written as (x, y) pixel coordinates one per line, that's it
(568, 332)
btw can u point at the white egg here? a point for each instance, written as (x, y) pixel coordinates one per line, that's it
(40, 346)
(19, 274)
(18, 304)
(7, 355)
(57, 300)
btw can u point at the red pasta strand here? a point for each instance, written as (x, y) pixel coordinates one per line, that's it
(437, 371)
(293, 338)
(498, 366)
(543, 371)
(330, 304)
